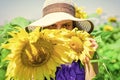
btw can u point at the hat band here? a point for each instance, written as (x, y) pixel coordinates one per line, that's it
(59, 7)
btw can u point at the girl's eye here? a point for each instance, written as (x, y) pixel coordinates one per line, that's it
(52, 26)
(65, 25)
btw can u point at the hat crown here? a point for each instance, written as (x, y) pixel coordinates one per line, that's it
(49, 2)
(53, 6)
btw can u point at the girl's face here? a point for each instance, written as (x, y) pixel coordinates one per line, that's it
(68, 24)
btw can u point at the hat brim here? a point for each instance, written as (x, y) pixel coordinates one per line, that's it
(83, 24)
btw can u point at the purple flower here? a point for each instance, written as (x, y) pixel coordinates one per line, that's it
(74, 71)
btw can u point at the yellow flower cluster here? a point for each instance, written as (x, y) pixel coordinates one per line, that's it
(112, 19)
(108, 28)
(36, 55)
(80, 13)
(99, 11)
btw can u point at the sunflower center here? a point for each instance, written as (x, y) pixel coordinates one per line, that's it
(40, 58)
(36, 54)
(76, 44)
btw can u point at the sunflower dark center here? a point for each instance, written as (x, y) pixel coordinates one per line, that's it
(39, 59)
(37, 55)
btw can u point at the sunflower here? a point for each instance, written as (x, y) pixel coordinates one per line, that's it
(108, 28)
(35, 55)
(99, 11)
(81, 44)
(112, 19)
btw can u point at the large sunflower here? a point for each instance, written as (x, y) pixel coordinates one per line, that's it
(35, 55)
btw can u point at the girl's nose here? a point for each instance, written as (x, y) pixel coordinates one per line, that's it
(58, 26)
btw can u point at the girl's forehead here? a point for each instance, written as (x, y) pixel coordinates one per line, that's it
(64, 21)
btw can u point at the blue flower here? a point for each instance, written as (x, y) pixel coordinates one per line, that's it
(74, 71)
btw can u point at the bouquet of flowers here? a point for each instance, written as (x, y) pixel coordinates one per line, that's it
(37, 54)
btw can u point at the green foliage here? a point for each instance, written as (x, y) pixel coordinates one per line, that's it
(2, 74)
(20, 21)
(109, 54)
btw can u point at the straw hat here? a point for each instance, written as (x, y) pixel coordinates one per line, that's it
(58, 10)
